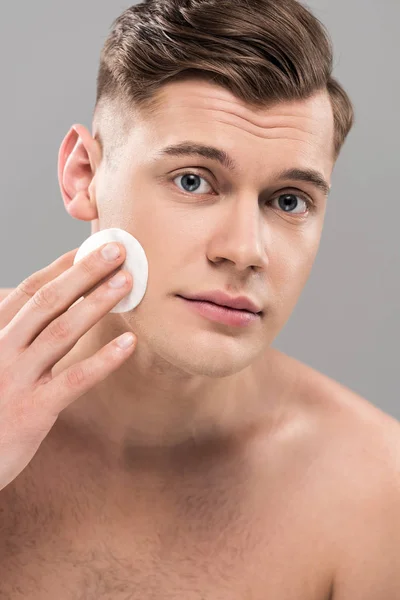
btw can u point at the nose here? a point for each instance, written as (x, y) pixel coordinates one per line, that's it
(240, 235)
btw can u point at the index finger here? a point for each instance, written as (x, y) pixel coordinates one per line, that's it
(16, 299)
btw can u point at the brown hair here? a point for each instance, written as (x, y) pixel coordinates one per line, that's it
(263, 51)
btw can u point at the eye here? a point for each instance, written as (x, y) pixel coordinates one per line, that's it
(290, 200)
(287, 204)
(191, 182)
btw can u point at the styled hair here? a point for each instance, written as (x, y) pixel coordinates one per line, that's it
(263, 51)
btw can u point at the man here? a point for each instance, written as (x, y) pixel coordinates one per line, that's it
(210, 465)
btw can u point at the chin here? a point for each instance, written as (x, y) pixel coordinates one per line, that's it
(201, 355)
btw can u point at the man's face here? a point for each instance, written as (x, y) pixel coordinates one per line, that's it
(204, 227)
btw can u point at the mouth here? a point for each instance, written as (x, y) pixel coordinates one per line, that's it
(233, 317)
(240, 310)
(221, 298)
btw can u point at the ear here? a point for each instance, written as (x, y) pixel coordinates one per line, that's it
(78, 159)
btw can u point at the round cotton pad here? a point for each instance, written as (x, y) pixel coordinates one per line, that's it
(135, 263)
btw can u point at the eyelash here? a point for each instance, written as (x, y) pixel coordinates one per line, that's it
(310, 204)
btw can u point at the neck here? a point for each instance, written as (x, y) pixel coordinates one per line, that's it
(149, 405)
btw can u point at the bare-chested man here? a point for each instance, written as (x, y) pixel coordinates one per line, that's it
(202, 464)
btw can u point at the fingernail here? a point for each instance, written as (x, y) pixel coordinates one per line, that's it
(118, 281)
(126, 340)
(111, 252)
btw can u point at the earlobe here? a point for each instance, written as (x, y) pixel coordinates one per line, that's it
(77, 163)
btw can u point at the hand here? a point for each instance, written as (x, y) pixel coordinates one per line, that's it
(40, 322)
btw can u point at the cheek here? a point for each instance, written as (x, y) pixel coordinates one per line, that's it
(291, 266)
(169, 231)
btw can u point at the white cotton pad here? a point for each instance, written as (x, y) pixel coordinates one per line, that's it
(135, 263)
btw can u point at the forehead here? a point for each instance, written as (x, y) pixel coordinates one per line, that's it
(300, 130)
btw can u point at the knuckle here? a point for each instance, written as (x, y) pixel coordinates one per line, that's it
(90, 265)
(46, 297)
(76, 376)
(29, 286)
(58, 331)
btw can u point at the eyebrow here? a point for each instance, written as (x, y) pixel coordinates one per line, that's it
(188, 148)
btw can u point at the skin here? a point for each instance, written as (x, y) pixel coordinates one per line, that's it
(221, 468)
(226, 235)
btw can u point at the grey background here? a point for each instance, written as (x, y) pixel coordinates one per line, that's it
(346, 323)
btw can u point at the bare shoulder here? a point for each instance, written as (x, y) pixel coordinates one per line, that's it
(357, 453)
(353, 427)
(343, 410)
(351, 439)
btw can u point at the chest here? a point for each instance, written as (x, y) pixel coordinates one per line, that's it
(235, 530)
(201, 548)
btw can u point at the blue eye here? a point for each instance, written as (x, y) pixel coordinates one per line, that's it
(288, 203)
(191, 185)
(191, 181)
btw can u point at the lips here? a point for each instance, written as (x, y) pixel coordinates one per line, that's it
(224, 315)
(220, 298)
(219, 305)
